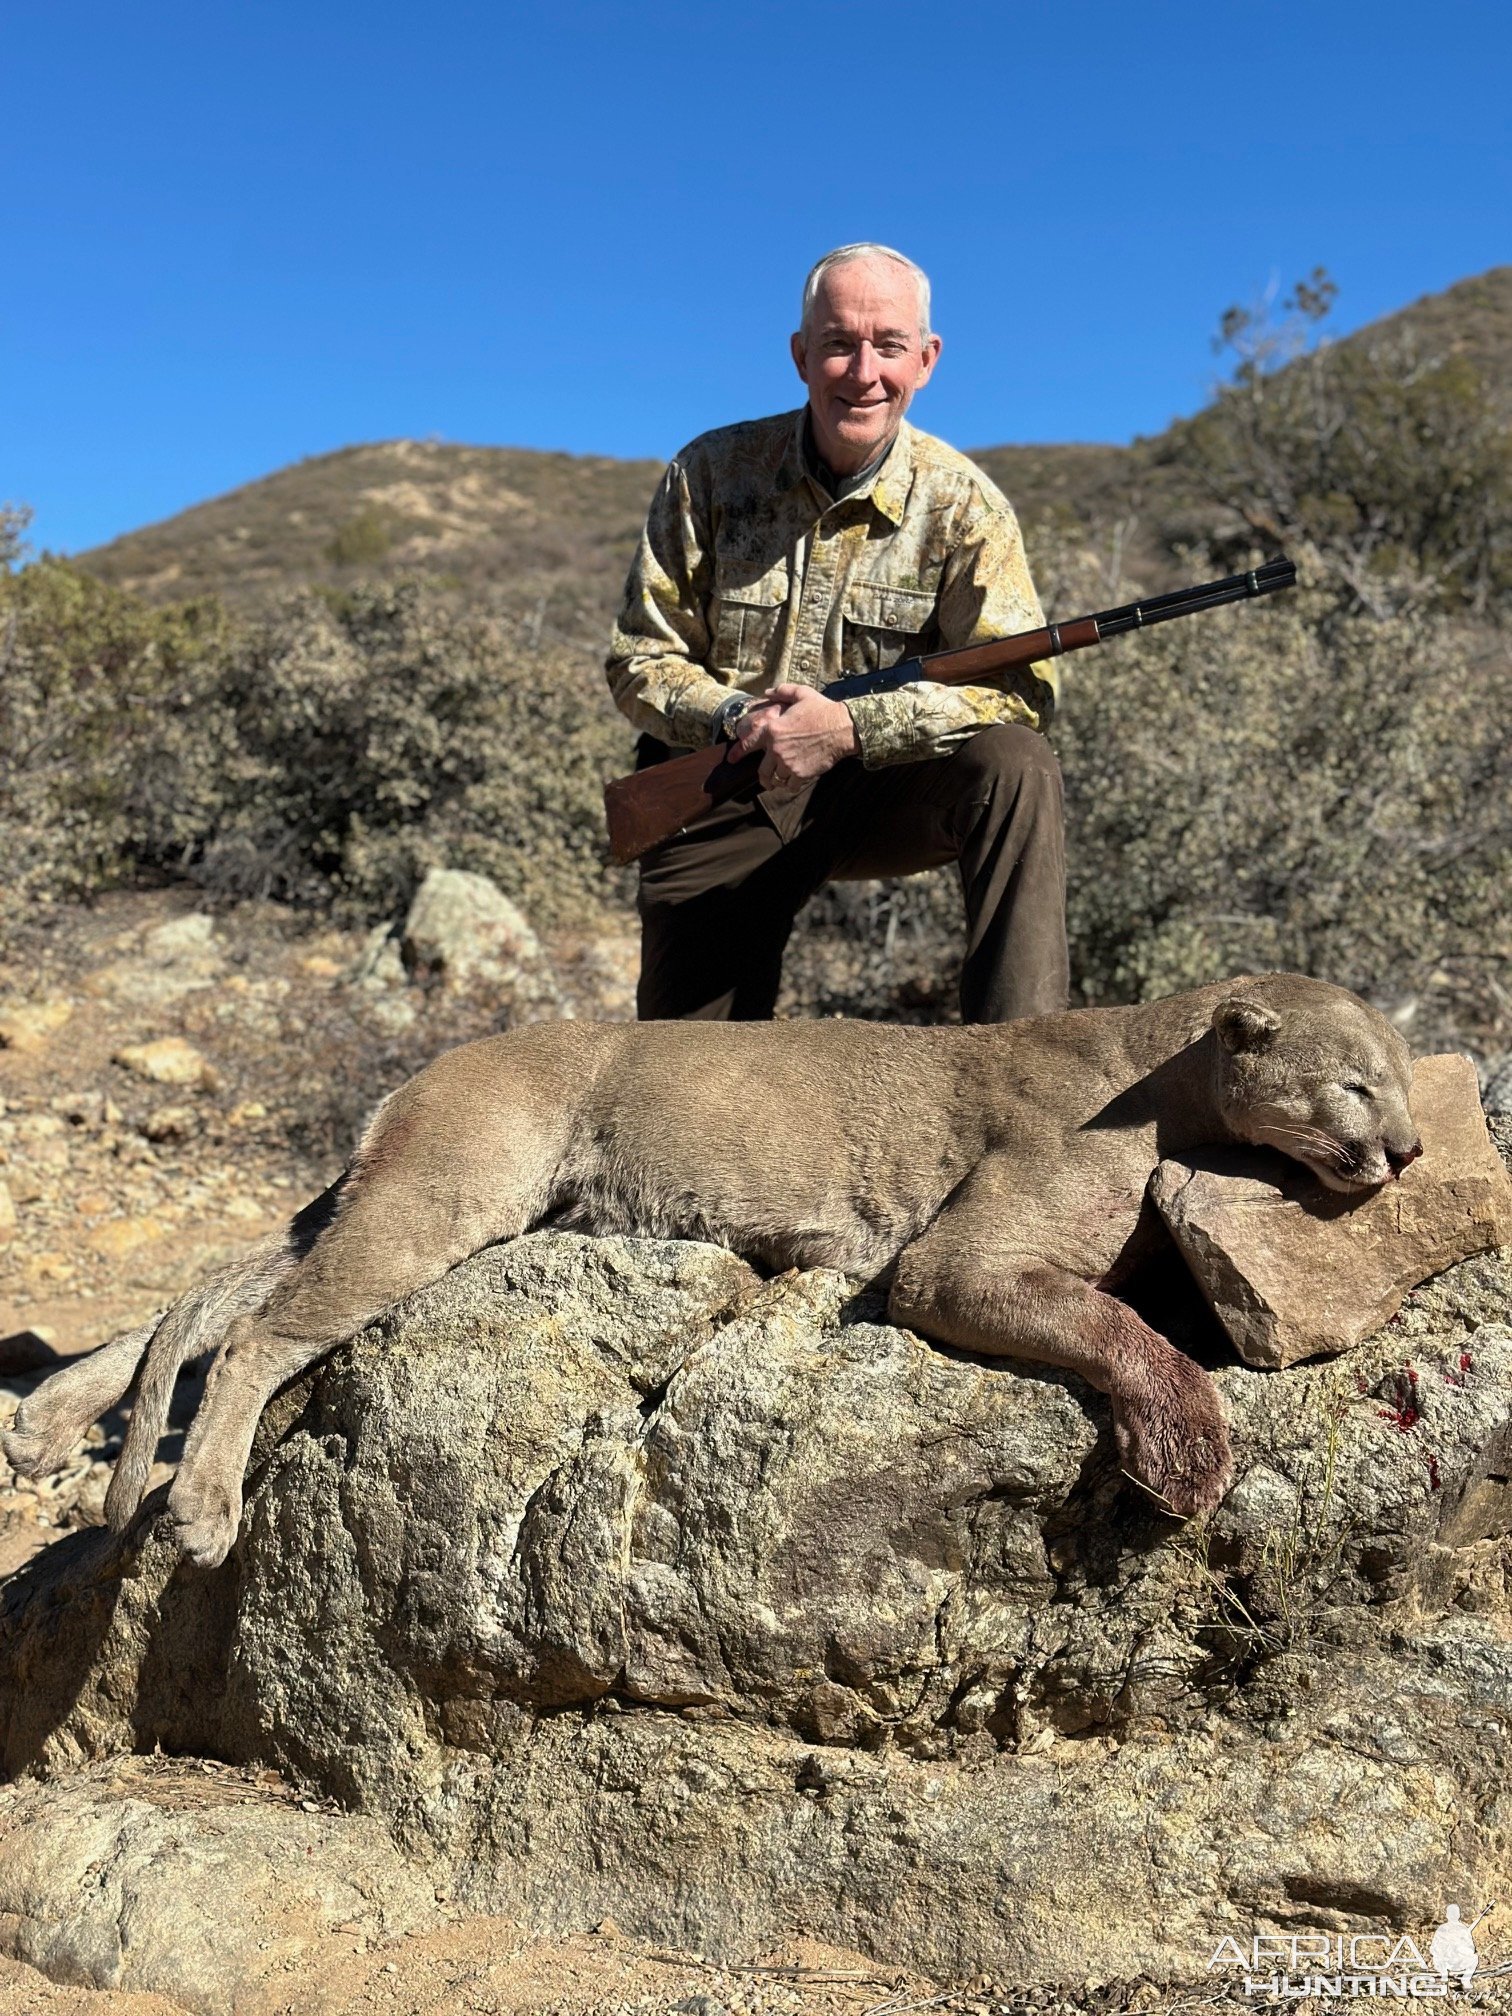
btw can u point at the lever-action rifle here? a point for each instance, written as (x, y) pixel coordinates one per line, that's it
(648, 806)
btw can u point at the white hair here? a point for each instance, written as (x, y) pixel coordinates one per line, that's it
(842, 256)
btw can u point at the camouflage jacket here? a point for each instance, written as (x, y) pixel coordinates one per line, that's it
(748, 575)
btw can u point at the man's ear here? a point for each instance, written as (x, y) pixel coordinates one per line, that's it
(800, 353)
(1243, 1024)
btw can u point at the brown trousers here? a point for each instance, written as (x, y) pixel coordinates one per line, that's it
(718, 900)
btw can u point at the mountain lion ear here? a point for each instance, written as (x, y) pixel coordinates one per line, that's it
(1245, 1025)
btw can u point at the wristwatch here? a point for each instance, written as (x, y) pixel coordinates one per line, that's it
(727, 717)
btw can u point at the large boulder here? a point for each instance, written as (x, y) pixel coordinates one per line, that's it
(203, 1885)
(463, 928)
(613, 1580)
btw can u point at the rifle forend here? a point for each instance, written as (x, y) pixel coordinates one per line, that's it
(650, 805)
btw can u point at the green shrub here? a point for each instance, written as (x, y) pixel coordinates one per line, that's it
(1285, 787)
(370, 739)
(88, 679)
(1385, 458)
(363, 540)
(325, 755)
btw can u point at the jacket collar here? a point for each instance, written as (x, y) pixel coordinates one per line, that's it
(887, 489)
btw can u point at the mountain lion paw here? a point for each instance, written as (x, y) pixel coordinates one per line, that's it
(1174, 1442)
(205, 1513)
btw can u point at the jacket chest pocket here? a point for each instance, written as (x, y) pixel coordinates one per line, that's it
(884, 625)
(747, 625)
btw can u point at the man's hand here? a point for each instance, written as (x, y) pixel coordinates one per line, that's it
(798, 734)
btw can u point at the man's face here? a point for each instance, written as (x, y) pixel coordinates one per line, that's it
(862, 359)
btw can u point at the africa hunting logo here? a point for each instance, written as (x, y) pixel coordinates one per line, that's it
(1289, 1965)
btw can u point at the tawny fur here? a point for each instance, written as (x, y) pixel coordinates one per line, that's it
(994, 1176)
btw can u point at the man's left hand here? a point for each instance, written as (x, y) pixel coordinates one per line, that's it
(799, 735)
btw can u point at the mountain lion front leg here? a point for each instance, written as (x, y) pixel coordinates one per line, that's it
(1167, 1418)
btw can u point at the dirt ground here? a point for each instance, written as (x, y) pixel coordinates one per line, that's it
(488, 1966)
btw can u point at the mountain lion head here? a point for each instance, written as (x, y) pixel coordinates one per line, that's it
(1320, 1076)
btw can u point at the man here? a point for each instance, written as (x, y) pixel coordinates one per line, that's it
(782, 554)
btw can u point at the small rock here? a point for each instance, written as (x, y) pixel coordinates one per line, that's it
(176, 959)
(125, 1235)
(188, 937)
(393, 1012)
(319, 967)
(169, 1061)
(39, 1127)
(27, 1025)
(1293, 1270)
(246, 1113)
(171, 1123)
(380, 963)
(84, 1109)
(50, 1267)
(7, 1216)
(465, 928)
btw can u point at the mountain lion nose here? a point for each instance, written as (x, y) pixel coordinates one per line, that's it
(1400, 1157)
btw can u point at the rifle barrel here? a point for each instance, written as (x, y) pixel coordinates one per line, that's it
(1204, 595)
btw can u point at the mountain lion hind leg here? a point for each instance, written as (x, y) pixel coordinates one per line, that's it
(464, 1155)
(52, 1421)
(963, 1284)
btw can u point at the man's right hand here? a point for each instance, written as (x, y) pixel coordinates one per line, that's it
(799, 735)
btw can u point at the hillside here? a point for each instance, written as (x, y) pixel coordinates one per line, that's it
(500, 523)
(546, 535)
(552, 533)
(1472, 319)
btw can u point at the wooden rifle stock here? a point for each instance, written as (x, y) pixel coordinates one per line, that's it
(644, 808)
(650, 805)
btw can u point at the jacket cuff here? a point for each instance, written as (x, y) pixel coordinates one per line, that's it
(881, 729)
(691, 711)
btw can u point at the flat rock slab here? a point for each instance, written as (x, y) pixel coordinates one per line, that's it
(202, 1885)
(1294, 1270)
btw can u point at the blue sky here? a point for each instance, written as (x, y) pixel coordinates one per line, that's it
(239, 234)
